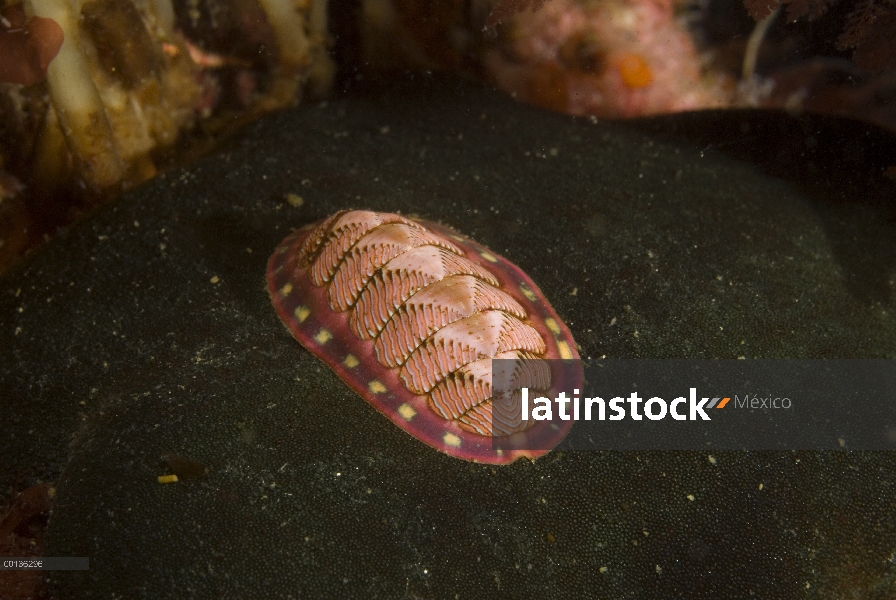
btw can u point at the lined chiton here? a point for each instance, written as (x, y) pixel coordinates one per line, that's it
(410, 314)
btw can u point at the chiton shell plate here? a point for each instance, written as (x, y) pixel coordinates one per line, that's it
(410, 313)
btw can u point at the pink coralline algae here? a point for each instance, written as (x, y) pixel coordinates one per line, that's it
(619, 58)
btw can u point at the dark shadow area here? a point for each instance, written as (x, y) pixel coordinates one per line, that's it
(847, 169)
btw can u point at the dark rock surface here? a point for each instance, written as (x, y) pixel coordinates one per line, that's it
(147, 331)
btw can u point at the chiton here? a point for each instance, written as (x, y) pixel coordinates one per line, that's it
(410, 315)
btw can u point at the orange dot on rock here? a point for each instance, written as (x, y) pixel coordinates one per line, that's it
(634, 70)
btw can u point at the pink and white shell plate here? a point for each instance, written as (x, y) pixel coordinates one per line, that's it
(410, 315)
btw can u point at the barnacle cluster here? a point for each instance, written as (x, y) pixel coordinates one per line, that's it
(132, 75)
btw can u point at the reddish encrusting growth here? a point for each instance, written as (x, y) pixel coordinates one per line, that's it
(23, 526)
(27, 46)
(411, 316)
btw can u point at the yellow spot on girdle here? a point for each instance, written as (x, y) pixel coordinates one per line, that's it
(407, 412)
(552, 325)
(376, 387)
(459, 238)
(528, 293)
(167, 478)
(565, 351)
(285, 290)
(451, 440)
(323, 336)
(301, 313)
(489, 257)
(351, 362)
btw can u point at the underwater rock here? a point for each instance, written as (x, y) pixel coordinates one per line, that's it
(147, 330)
